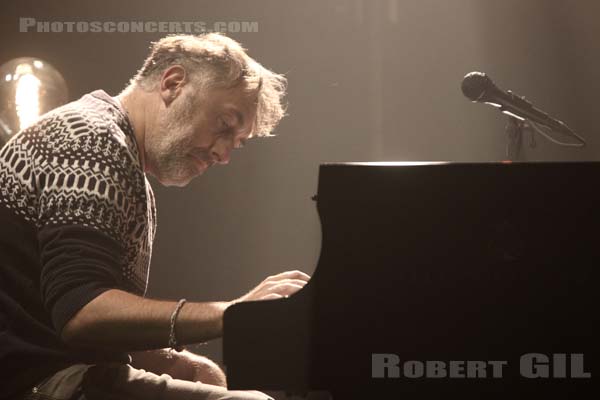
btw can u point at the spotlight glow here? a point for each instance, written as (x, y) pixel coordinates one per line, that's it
(27, 99)
(29, 88)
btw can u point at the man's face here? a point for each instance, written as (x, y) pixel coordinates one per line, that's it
(197, 130)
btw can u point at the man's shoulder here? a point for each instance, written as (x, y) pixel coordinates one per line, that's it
(91, 130)
(83, 122)
(79, 150)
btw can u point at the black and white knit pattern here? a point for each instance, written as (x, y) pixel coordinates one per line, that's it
(79, 165)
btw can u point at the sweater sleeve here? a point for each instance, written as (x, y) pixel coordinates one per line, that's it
(78, 264)
(88, 186)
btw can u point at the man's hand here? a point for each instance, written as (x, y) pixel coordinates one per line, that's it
(180, 365)
(277, 286)
(118, 320)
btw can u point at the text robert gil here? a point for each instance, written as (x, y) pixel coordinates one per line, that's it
(531, 365)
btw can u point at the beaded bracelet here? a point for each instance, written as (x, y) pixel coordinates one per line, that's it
(172, 338)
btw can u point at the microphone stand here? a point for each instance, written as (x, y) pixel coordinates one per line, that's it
(515, 127)
(514, 131)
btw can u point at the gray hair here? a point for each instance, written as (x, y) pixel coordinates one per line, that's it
(215, 60)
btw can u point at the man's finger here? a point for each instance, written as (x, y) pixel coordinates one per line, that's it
(286, 288)
(273, 283)
(272, 296)
(295, 274)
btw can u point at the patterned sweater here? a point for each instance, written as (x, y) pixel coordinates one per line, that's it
(77, 218)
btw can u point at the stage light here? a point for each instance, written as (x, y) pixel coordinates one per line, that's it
(29, 87)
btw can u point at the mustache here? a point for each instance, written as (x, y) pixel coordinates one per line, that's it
(203, 155)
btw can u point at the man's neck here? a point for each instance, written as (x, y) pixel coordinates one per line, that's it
(135, 103)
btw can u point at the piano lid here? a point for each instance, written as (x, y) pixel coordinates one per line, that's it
(434, 261)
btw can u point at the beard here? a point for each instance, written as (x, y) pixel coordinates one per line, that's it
(169, 148)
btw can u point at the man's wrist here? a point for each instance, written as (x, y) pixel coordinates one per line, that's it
(200, 322)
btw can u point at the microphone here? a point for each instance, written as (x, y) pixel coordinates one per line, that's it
(479, 88)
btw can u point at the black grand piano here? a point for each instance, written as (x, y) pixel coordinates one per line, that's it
(428, 270)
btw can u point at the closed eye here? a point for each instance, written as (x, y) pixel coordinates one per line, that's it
(223, 126)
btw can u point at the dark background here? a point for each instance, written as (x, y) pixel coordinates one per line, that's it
(368, 81)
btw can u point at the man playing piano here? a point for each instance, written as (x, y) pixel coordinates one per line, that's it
(78, 221)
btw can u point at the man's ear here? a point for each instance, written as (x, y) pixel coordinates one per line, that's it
(171, 83)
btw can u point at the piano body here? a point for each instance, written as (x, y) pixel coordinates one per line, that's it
(436, 262)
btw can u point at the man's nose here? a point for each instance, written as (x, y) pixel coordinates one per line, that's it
(221, 151)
